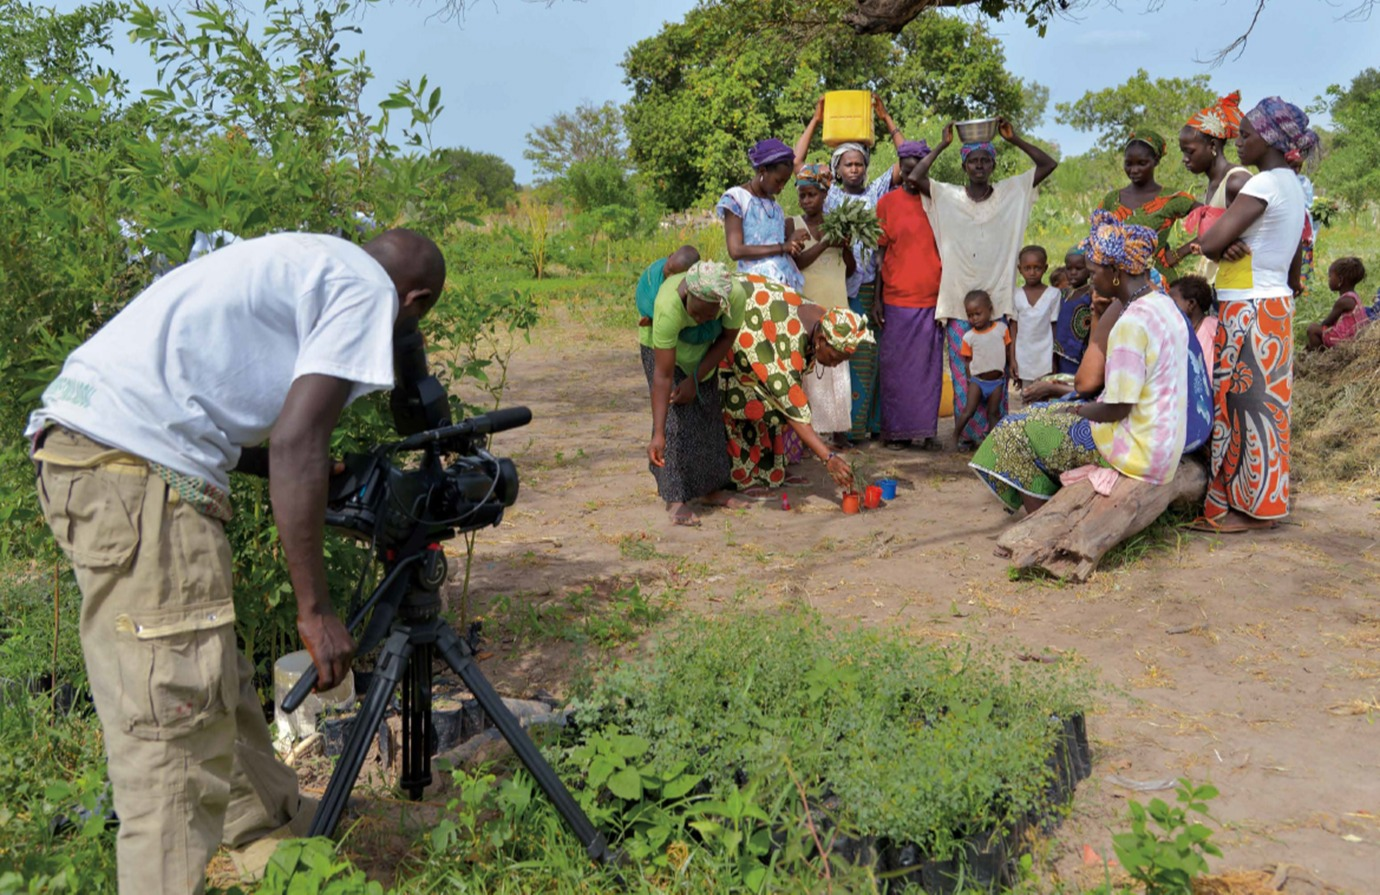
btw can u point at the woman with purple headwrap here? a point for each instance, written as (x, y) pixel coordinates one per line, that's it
(910, 351)
(980, 228)
(849, 164)
(755, 224)
(1253, 379)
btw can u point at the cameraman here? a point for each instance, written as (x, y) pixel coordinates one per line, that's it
(267, 338)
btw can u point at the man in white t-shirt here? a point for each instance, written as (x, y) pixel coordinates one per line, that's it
(268, 338)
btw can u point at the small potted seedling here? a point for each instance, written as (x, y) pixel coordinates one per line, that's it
(855, 497)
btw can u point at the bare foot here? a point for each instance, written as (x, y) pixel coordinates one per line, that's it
(681, 514)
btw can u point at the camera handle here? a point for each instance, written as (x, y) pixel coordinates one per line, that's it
(416, 634)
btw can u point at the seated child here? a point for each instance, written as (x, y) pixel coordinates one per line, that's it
(988, 354)
(1073, 327)
(1348, 315)
(1037, 306)
(1194, 296)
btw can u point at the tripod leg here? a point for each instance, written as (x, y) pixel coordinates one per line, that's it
(418, 739)
(459, 656)
(392, 663)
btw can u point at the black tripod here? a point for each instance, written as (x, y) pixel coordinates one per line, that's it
(406, 607)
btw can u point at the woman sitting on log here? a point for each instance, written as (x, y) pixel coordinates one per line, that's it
(1138, 426)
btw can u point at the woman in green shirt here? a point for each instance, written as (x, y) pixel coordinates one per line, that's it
(688, 453)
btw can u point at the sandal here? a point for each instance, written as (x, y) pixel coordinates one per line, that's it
(1212, 526)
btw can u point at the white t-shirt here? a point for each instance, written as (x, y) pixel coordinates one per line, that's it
(1273, 238)
(986, 349)
(198, 365)
(978, 241)
(1035, 333)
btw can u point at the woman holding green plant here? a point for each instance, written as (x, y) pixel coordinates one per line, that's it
(783, 339)
(849, 165)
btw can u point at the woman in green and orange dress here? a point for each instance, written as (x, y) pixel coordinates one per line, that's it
(1144, 202)
(784, 338)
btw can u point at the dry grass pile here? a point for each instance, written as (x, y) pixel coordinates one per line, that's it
(1336, 412)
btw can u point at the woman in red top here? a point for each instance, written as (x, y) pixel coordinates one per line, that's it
(911, 344)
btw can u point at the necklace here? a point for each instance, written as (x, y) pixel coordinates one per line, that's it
(1149, 285)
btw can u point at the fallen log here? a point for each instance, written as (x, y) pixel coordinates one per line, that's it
(1069, 535)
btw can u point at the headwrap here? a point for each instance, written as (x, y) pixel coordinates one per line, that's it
(815, 174)
(1080, 249)
(842, 150)
(1127, 247)
(969, 148)
(1222, 119)
(769, 152)
(1283, 125)
(913, 149)
(844, 330)
(1150, 138)
(709, 281)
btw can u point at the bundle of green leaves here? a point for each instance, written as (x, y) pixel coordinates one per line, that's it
(853, 223)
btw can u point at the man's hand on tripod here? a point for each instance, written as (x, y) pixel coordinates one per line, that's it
(330, 645)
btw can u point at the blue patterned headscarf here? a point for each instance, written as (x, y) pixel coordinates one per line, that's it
(816, 174)
(1127, 247)
(1283, 125)
(770, 151)
(969, 148)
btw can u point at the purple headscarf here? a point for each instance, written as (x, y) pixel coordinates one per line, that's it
(1283, 125)
(913, 149)
(969, 148)
(769, 152)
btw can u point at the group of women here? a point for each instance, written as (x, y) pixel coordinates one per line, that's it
(1150, 406)
(1142, 389)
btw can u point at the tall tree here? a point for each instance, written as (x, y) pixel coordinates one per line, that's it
(736, 71)
(590, 132)
(481, 176)
(1163, 104)
(1352, 168)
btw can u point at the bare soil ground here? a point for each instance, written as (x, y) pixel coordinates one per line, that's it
(1250, 661)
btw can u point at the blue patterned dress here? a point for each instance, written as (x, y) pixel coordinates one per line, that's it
(764, 223)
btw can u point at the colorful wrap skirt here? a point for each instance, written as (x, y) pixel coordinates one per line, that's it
(696, 449)
(1253, 386)
(1027, 452)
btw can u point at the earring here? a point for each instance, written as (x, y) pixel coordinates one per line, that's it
(1214, 152)
(1116, 280)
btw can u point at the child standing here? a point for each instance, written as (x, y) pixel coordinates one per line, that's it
(1037, 306)
(1073, 327)
(988, 354)
(1194, 296)
(1348, 315)
(827, 267)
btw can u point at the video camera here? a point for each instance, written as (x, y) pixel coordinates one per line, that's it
(402, 510)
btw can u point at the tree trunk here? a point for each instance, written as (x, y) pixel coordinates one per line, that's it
(890, 16)
(1068, 536)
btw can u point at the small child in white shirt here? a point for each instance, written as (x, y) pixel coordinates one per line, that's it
(988, 353)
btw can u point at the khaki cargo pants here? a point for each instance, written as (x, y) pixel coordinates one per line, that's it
(191, 761)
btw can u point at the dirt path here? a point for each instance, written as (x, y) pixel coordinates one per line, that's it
(1252, 662)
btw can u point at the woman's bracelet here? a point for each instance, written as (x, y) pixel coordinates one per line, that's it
(832, 455)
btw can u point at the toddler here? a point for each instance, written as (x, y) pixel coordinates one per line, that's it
(1073, 326)
(988, 354)
(1059, 279)
(1194, 296)
(1348, 315)
(1037, 306)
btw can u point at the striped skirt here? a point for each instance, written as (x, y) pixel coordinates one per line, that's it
(862, 371)
(1253, 386)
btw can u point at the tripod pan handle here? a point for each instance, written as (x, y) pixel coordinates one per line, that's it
(300, 691)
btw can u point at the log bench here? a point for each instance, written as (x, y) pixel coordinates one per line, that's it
(1069, 535)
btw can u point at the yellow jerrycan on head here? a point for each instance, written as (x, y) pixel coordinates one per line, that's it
(848, 117)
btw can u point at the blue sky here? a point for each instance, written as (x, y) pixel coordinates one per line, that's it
(511, 64)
